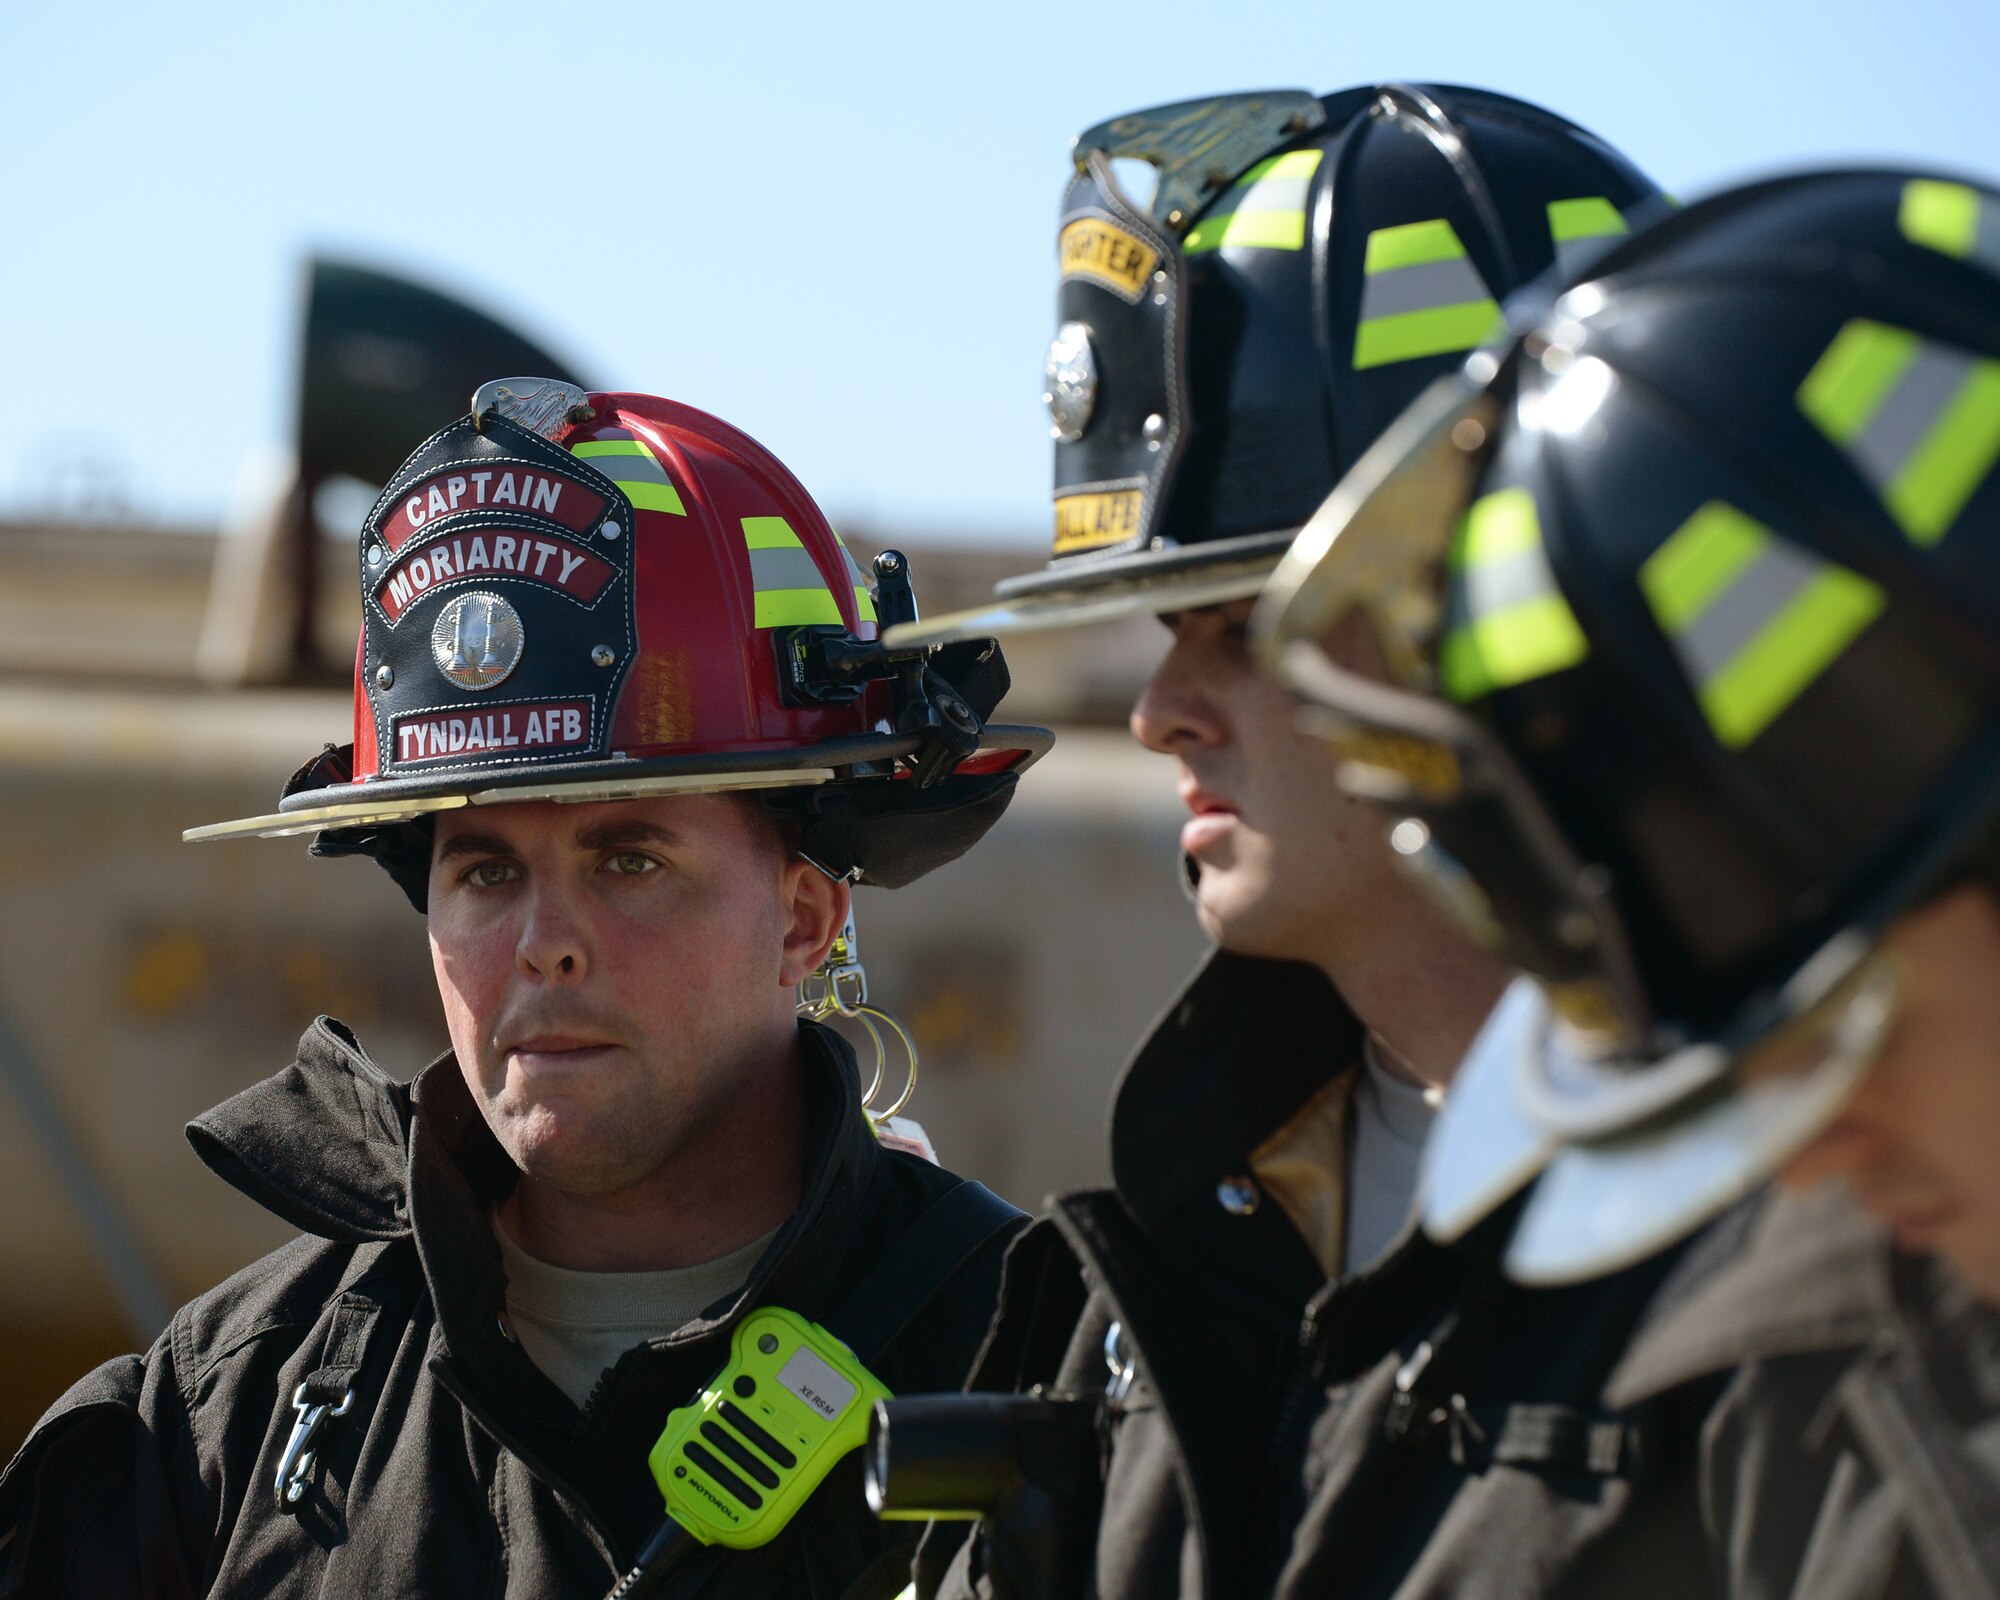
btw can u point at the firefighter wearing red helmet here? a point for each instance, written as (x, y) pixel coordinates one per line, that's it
(624, 730)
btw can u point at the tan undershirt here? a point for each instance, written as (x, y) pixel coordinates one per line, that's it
(1303, 1166)
(573, 1325)
(1309, 1166)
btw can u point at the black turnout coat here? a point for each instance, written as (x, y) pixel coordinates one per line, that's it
(458, 1469)
(1783, 1407)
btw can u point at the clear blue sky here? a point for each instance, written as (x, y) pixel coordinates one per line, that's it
(832, 225)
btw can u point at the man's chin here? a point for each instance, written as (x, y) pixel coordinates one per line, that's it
(1231, 906)
(571, 1148)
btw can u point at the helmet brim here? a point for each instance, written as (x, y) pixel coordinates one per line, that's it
(410, 799)
(1605, 1203)
(1079, 594)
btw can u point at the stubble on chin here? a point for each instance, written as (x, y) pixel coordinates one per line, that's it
(577, 1143)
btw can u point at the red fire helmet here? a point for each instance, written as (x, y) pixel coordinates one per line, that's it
(572, 596)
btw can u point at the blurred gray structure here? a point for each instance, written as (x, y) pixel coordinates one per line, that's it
(142, 980)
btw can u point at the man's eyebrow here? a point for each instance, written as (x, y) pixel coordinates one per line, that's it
(473, 844)
(614, 835)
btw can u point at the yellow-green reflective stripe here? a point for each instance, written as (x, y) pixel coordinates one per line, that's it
(1413, 334)
(864, 602)
(1494, 527)
(648, 493)
(791, 608)
(1848, 384)
(1705, 555)
(1952, 462)
(1263, 210)
(1800, 643)
(1920, 420)
(654, 497)
(1524, 642)
(1529, 637)
(1248, 230)
(1410, 245)
(1292, 164)
(1753, 619)
(1406, 267)
(769, 533)
(796, 608)
(1588, 217)
(1942, 216)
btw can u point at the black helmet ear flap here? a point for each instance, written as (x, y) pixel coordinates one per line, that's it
(401, 849)
(977, 670)
(890, 833)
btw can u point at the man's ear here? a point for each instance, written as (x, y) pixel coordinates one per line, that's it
(816, 910)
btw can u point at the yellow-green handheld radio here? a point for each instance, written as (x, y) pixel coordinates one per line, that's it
(735, 1465)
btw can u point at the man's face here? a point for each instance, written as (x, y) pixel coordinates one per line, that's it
(610, 972)
(1291, 866)
(1916, 1143)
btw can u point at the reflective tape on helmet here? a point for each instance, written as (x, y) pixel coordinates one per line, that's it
(1508, 621)
(1920, 420)
(864, 597)
(790, 589)
(1753, 620)
(626, 461)
(1576, 225)
(1953, 219)
(1265, 209)
(1421, 296)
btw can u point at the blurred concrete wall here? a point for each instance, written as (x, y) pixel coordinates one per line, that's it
(147, 980)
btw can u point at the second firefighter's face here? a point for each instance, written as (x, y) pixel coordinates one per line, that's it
(1916, 1143)
(616, 976)
(1291, 865)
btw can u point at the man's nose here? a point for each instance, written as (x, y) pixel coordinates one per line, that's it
(553, 943)
(1177, 708)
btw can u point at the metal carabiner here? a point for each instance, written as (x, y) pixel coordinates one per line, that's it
(1122, 1363)
(296, 1464)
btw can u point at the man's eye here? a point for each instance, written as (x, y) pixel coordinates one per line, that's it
(630, 863)
(490, 874)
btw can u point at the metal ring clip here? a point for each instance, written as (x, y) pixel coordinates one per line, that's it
(296, 1464)
(1122, 1364)
(840, 988)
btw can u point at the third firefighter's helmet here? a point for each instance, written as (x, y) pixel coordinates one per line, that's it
(1691, 596)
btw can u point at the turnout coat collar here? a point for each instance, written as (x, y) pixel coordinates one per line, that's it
(338, 1148)
(1247, 1044)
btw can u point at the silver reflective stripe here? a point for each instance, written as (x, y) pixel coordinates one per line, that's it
(1986, 242)
(1422, 287)
(1494, 585)
(1710, 641)
(1904, 420)
(631, 469)
(784, 568)
(1266, 194)
(1572, 254)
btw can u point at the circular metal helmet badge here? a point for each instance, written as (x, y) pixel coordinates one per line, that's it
(477, 640)
(1071, 371)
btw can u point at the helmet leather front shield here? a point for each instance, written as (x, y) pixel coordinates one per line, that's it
(1123, 282)
(1122, 285)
